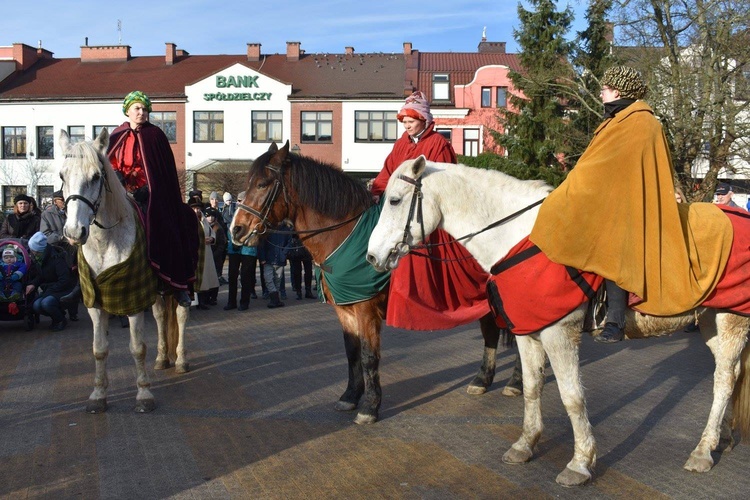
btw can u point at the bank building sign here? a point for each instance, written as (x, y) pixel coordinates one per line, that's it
(230, 88)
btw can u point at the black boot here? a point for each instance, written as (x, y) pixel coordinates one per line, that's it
(612, 333)
(275, 302)
(309, 294)
(73, 296)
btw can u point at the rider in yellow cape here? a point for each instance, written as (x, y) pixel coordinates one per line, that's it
(616, 214)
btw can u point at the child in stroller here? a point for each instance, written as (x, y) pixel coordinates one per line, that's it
(14, 304)
(12, 272)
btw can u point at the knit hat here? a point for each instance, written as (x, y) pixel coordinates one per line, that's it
(133, 97)
(196, 193)
(628, 81)
(416, 106)
(227, 197)
(58, 194)
(241, 196)
(9, 251)
(195, 201)
(21, 197)
(722, 189)
(214, 196)
(38, 242)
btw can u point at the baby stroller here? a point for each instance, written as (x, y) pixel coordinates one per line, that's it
(15, 305)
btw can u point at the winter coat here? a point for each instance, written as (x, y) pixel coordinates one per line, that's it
(20, 226)
(52, 276)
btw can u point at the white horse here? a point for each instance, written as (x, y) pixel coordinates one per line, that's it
(463, 200)
(103, 222)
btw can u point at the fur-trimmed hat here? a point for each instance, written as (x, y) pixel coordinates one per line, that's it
(628, 81)
(21, 197)
(416, 106)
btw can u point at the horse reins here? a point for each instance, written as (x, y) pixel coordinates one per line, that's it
(94, 206)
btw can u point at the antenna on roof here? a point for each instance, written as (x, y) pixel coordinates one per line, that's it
(119, 32)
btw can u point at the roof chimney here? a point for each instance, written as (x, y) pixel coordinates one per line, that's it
(253, 52)
(171, 53)
(486, 47)
(24, 56)
(292, 51)
(407, 48)
(349, 50)
(99, 53)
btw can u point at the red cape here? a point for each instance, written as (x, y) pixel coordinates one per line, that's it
(428, 294)
(170, 223)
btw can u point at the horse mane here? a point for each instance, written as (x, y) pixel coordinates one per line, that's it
(502, 181)
(321, 186)
(84, 156)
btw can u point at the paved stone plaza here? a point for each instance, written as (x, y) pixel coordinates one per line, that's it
(254, 418)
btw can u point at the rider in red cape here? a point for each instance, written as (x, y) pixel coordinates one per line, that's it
(140, 153)
(429, 294)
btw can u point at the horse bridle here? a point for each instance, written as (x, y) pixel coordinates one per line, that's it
(94, 206)
(265, 210)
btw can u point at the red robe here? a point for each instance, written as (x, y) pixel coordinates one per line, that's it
(428, 294)
(170, 224)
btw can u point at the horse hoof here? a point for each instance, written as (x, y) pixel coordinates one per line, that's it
(515, 457)
(726, 444)
(699, 464)
(182, 368)
(511, 391)
(476, 390)
(344, 406)
(96, 406)
(145, 405)
(363, 419)
(162, 364)
(570, 478)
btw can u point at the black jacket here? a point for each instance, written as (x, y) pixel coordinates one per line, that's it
(52, 276)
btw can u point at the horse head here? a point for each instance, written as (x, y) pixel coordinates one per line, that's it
(85, 174)
(262, 205)
(406, 218)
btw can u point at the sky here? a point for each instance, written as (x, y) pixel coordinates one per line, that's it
(226, 27)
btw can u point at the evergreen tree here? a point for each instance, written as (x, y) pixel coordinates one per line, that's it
(535, 125)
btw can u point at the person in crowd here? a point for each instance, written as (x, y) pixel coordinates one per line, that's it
(243, 261)
(272, 256)
(227, 211)
(52, 224)
(213, 201)
(631, 232)
(50, 278)
(141, 155)
(218, 249)
(724, 195)
(209, 279)
(299, 258)
(23, 222)
(13, 270)
(448, 289)
(35, 206)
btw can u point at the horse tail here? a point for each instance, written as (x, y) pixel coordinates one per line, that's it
(741, 396)
(172, 325)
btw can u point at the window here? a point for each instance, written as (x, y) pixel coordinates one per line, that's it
(445, 132)
(76, 133)
(267, 126)
(471, 142)
(10, 192)
(375, 126)
(317, 126)
(486, 97)
(502, 97)
(45, 143)
(44, 195)
(166, 121)
(98, 130)
(441, 87)
(208, 126)
(14, 142)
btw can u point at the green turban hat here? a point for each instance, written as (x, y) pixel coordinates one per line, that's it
(135, 96)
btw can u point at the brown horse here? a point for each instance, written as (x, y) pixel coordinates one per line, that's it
(324, 204)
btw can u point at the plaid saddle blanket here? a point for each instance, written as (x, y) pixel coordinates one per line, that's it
(125, 289)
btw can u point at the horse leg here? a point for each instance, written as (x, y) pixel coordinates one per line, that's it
(532, 356)
(561, 345)
(159, 312)
(726, 346)
(491, 336)
(97, 402)
(178, 316)
(144, 400)
(514, 387)
(356, 385)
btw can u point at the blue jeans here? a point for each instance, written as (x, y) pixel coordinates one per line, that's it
(49, 306)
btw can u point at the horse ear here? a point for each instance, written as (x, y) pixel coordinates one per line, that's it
(281, 154)
(102, 141)
(273, 148)
(64, 140)
(418, 166)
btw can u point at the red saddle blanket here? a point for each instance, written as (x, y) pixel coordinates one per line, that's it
(528, 292)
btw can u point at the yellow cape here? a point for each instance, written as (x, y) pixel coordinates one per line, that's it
(616, 215)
